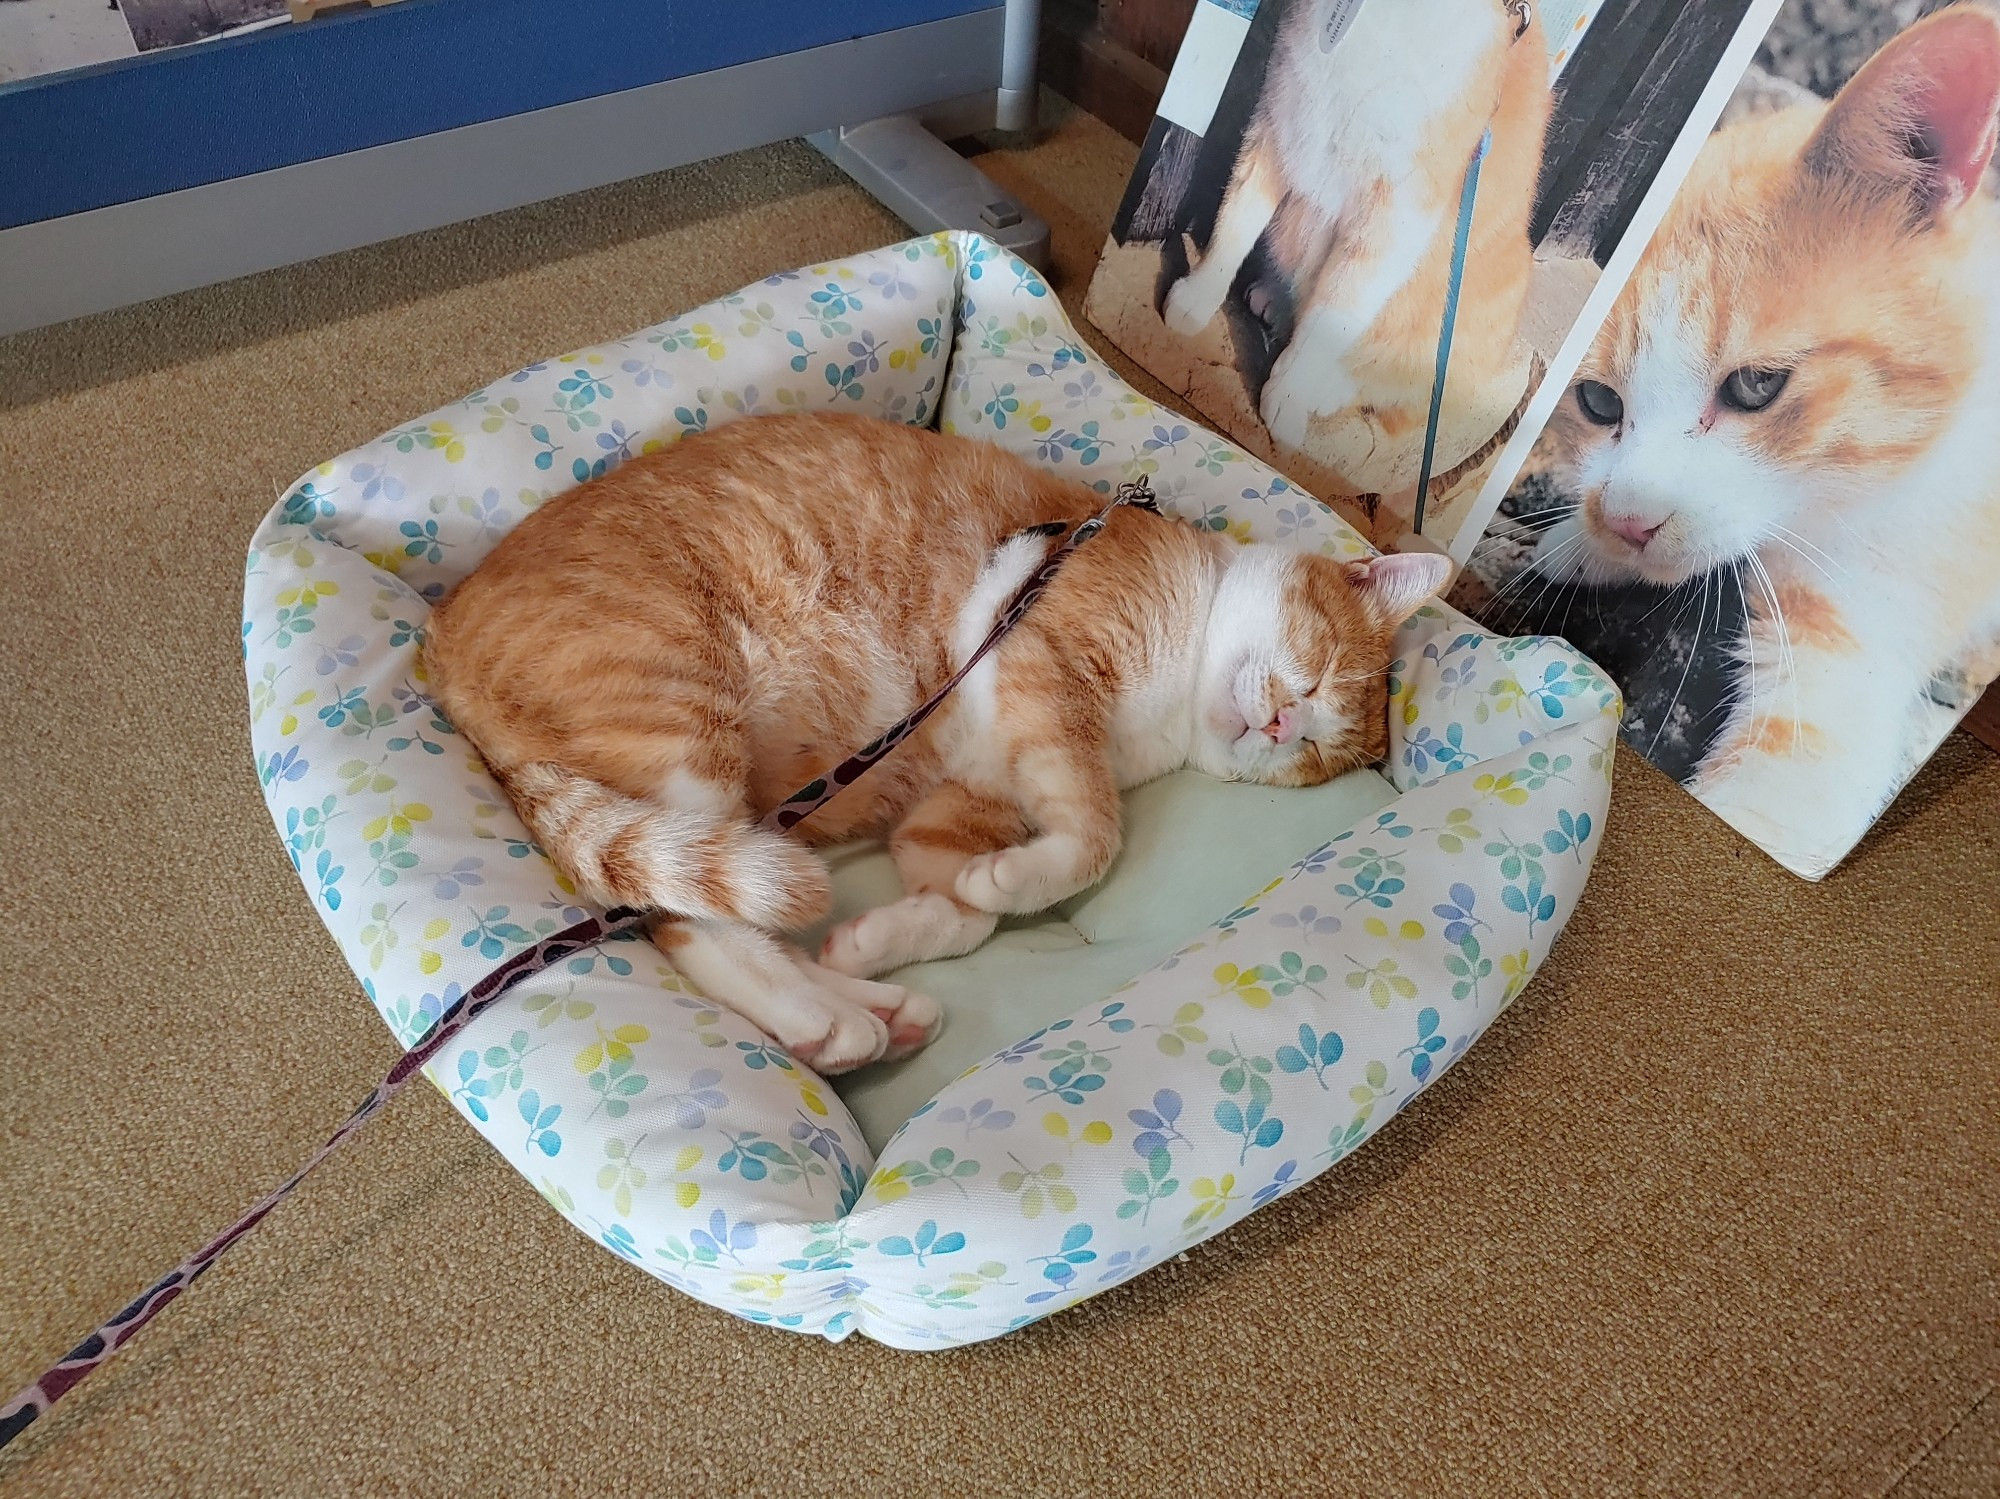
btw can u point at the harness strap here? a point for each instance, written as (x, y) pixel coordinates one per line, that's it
(807, 800)
(68, 1371)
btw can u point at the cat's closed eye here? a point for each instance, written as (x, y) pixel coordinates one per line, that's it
(1751, 388)
(1599, 402)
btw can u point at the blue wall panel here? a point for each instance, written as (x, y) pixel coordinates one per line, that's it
(221, 109)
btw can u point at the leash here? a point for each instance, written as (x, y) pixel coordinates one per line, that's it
(73, 1367)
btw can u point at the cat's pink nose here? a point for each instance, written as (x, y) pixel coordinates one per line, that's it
(1284, 728)
(1635, 529)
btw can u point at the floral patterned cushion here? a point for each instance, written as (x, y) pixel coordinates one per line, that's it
(1261, 1052)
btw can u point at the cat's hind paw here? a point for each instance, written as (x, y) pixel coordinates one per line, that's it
(843, 1037)
(913, 1025)
(912, 1020)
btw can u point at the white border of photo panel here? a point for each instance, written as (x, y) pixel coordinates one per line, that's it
(1202, 67)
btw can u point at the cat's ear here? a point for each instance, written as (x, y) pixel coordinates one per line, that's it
(1918, 123)
(1395, 584)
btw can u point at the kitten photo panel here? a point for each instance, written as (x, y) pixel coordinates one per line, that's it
(1766, 498)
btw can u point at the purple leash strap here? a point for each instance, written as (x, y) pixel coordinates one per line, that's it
(68, 1371)
(19, 1413)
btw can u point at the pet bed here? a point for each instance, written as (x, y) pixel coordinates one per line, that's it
(1265, 979)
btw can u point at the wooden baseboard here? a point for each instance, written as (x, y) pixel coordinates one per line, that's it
(1085, 64)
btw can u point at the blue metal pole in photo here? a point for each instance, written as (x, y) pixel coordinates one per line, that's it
(1464, 232)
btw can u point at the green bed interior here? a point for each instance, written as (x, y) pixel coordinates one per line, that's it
(1195, 849)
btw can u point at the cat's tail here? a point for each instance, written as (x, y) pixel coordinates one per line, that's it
(691, 861)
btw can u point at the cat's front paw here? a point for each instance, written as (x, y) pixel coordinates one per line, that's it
(1311, 378)
(863, 947)
(1284, 405)
(1013, 882)
(916, 929)
(1191, 305)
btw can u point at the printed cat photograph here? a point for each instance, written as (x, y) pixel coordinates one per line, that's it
(652, 661)
(1769, 502)
(1342, 197)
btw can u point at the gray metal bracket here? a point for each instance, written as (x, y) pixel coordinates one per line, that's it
(929, 186)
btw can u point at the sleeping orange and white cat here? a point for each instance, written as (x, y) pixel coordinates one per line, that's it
(1802, 381)
(651, 661)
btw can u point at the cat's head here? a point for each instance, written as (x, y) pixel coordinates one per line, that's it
(1805, 322)
(1294, 685)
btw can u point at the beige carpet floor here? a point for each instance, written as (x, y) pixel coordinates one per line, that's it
(1714, 1210)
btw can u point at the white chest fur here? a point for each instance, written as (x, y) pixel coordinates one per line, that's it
(1152, 718)
(1361, 112)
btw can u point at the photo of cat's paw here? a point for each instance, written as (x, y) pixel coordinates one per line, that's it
(1192, 304)
(1309, 377)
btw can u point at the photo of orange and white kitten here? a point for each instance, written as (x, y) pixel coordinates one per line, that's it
(1799, 390)
(1353, 163)
(653, 660)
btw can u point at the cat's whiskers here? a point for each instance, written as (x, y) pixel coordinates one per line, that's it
(1749, 645)
(1667, 596)
(1787, 660)
(1541, 520)
(1781, 537)
(1519, 525)
(1528, 574)
(1563, 628)
(1513, 530)
(1795, 540)
(1694, 649)
(1552, 580)
(1511, 597)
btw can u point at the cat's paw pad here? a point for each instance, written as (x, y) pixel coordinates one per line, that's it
(1189, 307)
(851, 1038)
(913, 1024)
